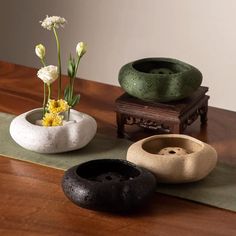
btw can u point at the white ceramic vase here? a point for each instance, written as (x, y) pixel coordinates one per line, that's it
(174, 158)
(68, 137)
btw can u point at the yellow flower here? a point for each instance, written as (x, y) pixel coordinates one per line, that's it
(57, 106)
(51, 119)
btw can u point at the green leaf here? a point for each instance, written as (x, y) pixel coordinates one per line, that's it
(67, 94)
(75, 100)
(70, 70)
(71, 67)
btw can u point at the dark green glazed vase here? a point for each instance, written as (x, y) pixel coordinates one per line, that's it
(159, 79)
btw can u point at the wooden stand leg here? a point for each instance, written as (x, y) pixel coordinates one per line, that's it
(203, 113)
(120, 125)
(204, 118)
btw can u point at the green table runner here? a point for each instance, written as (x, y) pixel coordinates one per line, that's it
(100, 147)
(218, 189)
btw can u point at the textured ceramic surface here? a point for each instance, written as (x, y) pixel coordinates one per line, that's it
(174, 158)
(108, 185)
(56, 139)
(159, 79)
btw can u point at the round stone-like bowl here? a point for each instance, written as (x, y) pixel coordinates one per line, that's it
(159, 79)
(112, 185)
(71, 136)
(174, 158)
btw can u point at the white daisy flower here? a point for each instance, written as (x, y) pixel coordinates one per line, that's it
(53, 21)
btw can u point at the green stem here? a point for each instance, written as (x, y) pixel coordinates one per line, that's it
(44, 98)
(70, 98)
(49, 91)
(77, 65)
(70, 91)
(44, 92)
(73, 79)
(43, 62)
(59, 61)
(68, 118)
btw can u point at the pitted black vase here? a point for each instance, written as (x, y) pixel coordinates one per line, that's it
(108, 185)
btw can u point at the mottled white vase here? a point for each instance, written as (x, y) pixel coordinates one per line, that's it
(174, 158)
(68, 137)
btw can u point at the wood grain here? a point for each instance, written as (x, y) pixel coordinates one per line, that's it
(32, 202)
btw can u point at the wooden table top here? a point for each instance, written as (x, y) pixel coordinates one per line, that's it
(32, 202)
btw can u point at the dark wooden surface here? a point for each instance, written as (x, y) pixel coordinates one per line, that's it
(32, 202)
(176, 107)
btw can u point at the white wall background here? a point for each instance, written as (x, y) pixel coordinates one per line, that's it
(200, 32)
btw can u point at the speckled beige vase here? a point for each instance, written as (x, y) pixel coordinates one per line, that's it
(174, 158)
(74, 135)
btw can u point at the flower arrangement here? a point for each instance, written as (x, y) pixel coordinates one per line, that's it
(64, 129)
(53, 108)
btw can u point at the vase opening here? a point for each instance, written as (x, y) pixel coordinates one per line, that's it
(171, 146)
(160, 67)
(35, 116)
(107, 171)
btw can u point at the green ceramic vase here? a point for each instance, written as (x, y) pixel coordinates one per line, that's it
(159, 79)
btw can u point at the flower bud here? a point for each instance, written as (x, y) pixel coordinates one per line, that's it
(40, 51)
(71, 68)
(81, 49)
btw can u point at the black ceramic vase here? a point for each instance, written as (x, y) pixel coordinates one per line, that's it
(108, 185)
(159, 79)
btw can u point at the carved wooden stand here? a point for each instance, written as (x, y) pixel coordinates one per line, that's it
(172, 117)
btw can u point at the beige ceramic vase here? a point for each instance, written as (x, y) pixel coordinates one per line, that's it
(174, 158)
